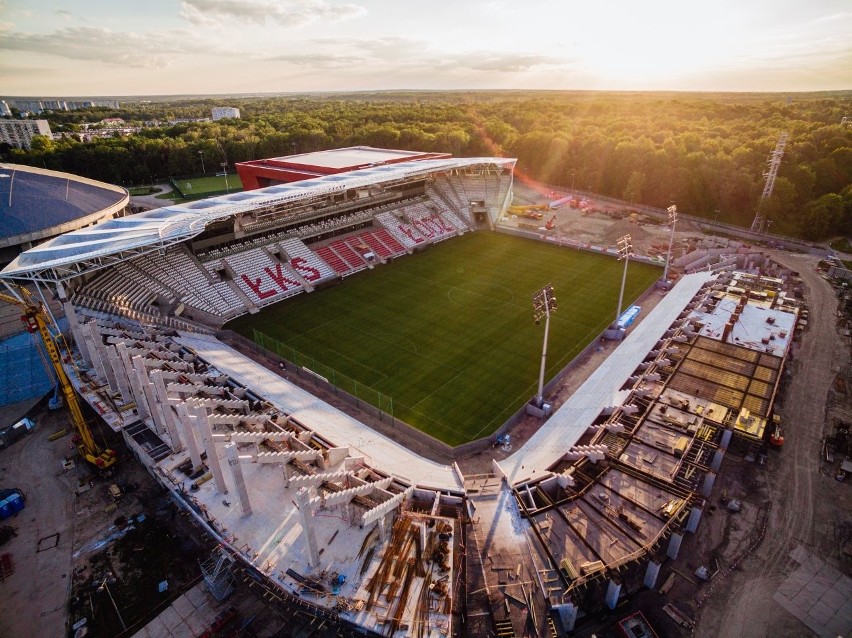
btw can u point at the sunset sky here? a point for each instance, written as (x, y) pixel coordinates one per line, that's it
(156, 47)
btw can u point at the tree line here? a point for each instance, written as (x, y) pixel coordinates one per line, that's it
(705, 152)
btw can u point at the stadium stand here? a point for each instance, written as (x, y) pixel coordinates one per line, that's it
(340, 266)
(442, 190)
(344, 250)
(261, 278)
(303, 260)
(429, 223)
(388, 240)
(404, 233)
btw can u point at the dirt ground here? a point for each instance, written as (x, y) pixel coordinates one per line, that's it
(649, 237)
(798, 501)
(72, 535)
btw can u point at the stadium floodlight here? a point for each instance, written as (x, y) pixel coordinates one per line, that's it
(544, 302)
(672, 219)
(225, 171)
(624, 248)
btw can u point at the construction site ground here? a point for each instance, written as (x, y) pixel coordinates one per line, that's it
(794, 529)
(72, 535)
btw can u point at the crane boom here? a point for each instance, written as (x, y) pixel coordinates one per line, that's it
(35, 320)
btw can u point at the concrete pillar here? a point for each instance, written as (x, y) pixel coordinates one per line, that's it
(213, 462)
(567, 615)
(303, 497)
(239, 480)
(138, 395)
(612, 592)
(651, 573)
(103, 356)
(726, 438)
(90, 333)
(150, 399)
(383, 528)
(716, 463)
(120, 375)
(694, 519)
(709, 479)
(162, 395)
(336, 456)
(674, 545)
(186, 424)
(74, 324)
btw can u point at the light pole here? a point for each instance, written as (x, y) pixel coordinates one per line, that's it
(573, 175)
(672, 219)
(544, 302)
(103, 586)
(225, 170)
(11, 179)
(201, 155)
(624, 248)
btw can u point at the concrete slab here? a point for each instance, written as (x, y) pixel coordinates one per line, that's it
(170, 618)
(799, 554)
(821, 612)
(183, 607)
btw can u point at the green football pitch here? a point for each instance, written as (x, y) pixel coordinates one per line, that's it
(211, 184)
(445, 339)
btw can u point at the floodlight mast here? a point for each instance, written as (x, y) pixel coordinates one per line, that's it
(544, 302)
(624, 248)
(672, 210)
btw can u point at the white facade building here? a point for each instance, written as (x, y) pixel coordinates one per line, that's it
(223, 112)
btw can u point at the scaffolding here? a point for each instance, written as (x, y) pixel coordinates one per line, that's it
(218, 573)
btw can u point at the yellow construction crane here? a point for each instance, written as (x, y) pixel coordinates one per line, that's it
(36, 319)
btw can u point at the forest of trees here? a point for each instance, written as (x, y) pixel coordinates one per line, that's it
(704, 152)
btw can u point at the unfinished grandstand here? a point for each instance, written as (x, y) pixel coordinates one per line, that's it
(329, 516)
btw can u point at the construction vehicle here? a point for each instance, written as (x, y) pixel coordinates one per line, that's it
(776, 438)
(532, 211)
(36, 319)
(551, 223)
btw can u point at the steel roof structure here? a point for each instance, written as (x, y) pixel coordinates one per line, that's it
(102, 245)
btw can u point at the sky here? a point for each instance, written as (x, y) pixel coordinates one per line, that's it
(165, 47)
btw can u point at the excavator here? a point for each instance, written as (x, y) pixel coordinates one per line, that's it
(36, 319)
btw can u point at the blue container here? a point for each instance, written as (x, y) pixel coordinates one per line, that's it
(16, 503)
(5, 509)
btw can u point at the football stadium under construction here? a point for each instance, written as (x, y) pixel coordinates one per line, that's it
(330, 518)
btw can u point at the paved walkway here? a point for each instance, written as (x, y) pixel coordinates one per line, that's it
(817, 594)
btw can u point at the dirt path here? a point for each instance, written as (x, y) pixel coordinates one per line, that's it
(803, 501)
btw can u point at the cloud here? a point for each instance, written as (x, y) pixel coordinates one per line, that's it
(139, 50)
(65, 14)
(405, 51)
(506, 63)
(318, 60)
(288, 13)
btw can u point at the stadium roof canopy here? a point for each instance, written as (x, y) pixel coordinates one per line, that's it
(119, 239)
(262, 173)
(37, 203)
